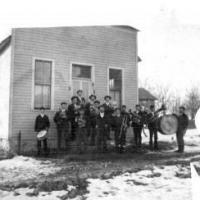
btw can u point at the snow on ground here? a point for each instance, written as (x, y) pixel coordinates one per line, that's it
(156, 182)
(153, 184)
(23, 168)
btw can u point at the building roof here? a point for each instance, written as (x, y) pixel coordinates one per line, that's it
(145, 95)
(5, 44)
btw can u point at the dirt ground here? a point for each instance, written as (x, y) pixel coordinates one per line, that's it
(161, 174)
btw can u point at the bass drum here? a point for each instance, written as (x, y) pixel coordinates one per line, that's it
(197, 120)
(167, 124)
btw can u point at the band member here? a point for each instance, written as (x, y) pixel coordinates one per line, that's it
(91, 115)
(81, 139)
(96, 106)
(81, 99)
(182, 128)
(62, 123)
(73, 113)
(120, 127)
(137, 126)
(152, 126)
(42, 123)
(102, 128)
(108, 112)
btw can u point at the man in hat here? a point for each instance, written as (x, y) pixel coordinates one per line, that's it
(108, 108)
(137, 126)
(73, 112)
(102, 128)
(152, 126)
(182, 128)
(42, 123)
(62, 123)
(91, 116)
(81, 99)
(120, 127)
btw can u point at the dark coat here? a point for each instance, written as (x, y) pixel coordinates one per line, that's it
(183, 122)
(61, 119)
(72, 112)
(102, 122)
(140, 124)
(108, 109)
(41, 123)
(151, 119)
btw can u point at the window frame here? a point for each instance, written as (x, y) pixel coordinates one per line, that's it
(82, 79)
(122, 86)
(33, 82)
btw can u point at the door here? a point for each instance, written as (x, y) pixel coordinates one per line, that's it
(115, 85)
(82, 79)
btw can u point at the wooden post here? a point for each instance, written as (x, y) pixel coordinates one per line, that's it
(19, 142)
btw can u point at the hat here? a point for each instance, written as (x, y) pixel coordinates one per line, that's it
(97, 101)
(182, 107)
(107, 96)
(74, 97)
(92, 95)
(62, 103)
(79, 91)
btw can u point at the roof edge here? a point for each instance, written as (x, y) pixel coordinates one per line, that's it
(5, 44)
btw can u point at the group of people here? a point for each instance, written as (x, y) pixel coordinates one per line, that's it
(90, 123)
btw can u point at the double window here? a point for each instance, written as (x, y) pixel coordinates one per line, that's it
(42, 84)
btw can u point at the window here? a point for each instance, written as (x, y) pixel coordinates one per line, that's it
(43, 76)
(81, 71)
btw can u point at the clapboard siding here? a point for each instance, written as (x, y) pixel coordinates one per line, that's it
(101, 46)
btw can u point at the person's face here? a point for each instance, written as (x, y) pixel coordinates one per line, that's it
(152, 109)
(117, 112)
(107, 99)
(181, 110)
(64, 106)
(102, 110)
(42, 111)
(92, 98)
(96, 104)
(80, 93)
(74, 101)
(82, 112)
(123, 109)
(138, 108)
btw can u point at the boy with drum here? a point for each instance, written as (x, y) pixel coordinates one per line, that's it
(42, 124)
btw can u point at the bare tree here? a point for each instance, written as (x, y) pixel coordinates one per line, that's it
(192, 101)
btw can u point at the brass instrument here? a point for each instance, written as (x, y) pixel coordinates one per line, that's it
(81, 121)
(124, 124)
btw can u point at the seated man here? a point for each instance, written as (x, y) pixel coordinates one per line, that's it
(42, 124)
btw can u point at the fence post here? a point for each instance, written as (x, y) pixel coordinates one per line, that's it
(19, 142)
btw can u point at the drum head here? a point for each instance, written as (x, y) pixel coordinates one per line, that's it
(197, 120)
(168, 124)
(42, 135)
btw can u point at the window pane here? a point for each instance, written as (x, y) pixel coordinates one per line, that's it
(47, 73)
(43, 72)
(81, 71)
(115, 79)
(42, 84)
(76, 86)
(38, 72)
(47, 97)
(38, 96)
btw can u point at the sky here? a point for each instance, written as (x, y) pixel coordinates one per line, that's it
(168, 40)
